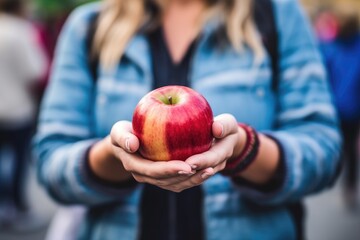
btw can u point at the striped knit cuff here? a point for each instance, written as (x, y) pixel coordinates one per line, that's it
(248, 154)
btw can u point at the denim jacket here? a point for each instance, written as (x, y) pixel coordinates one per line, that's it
(78, 111)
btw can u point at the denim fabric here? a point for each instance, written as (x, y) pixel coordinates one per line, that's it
(75, 114)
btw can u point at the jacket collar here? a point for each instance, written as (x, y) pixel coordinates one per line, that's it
(138, 50)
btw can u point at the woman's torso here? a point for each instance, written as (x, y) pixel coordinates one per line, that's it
(231, 83)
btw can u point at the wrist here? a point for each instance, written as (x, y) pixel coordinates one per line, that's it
(267, 162)
(245, 153)
(239, 147)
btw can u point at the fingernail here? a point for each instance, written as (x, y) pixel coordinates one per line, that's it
(185, 173)
(127, 144)
(205, 175)
(222, 130)
(193, 167)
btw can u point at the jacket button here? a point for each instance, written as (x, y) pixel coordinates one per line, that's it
(260, 92)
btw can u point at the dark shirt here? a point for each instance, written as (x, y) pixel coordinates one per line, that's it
(165, 71)
(167, 215)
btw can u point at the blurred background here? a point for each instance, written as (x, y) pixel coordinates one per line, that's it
(331, 215)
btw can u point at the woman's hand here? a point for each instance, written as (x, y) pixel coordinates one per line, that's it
(230, 140)
(175, 175)
(165, 174)
(178, 175)
(228, 144)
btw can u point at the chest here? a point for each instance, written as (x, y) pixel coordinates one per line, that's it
(229, 80)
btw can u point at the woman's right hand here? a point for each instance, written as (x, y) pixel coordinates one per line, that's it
(174, 175)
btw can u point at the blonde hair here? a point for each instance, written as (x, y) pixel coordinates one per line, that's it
(120, 20)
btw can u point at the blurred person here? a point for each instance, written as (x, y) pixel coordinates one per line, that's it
(22, 62)
(249, 184)
(326, 25)
(342, 58)
(66, 223)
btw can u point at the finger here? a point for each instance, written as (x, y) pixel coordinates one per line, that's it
(154, 169)
(195, 180)
(122, 136)
(220, 167)
(205, 174)
(163, 182)
(224, 125)
(218, 153)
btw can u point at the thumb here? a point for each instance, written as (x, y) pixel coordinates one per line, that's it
(224, 125)
(122, 136)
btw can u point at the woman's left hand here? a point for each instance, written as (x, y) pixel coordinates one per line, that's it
(229, 139)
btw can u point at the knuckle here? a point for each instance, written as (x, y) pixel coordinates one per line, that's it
(168, 172)
(230, 118)
(138, 178)
(175, 189)
(119, 152)
(115, 129)
(113, 140)
(159, 183)
(220, 156)
(194, 181)
(228, 154)
(151, 173)
(223, 155)
(216, 155)
(127, 168)
(179, 190)
(222, 166)
(146, 172)
(165, 188)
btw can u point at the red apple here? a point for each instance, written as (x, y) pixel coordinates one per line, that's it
(173, 123)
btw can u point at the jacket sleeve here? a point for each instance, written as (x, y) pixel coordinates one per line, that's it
(65, 131)
(306, 121)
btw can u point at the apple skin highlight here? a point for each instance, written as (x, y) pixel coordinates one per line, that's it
(173, 123)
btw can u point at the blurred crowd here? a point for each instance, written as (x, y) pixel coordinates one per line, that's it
(23, 64)
(337, 29)
(28, 35)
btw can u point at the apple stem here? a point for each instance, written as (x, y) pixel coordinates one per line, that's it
(170, 100)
